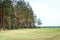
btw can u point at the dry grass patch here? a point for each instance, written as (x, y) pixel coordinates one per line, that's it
(31, 34)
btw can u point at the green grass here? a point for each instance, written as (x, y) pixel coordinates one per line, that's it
(31, 34)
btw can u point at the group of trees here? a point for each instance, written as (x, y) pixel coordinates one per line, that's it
(16, 14)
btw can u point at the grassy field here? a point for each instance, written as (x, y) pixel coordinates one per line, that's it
(31, 34)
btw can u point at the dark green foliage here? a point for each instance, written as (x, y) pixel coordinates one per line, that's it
(16, 14)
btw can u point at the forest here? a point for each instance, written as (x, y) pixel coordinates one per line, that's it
(16, 14)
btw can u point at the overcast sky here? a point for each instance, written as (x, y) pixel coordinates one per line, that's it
(47, 10)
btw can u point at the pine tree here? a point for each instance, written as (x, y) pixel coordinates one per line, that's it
(26, 14)
(15, 14)
(6, 4)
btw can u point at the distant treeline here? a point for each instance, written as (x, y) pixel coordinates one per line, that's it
(16, 14)
(49, 27)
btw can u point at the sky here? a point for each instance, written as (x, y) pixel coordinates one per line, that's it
(47, 10)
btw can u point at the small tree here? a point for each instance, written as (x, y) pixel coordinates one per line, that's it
(39, 21)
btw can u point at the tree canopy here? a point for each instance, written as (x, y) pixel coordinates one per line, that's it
(16, 14)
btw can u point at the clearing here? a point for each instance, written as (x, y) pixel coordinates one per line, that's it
(31, 34)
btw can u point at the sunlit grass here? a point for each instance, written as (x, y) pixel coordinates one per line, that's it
(31, 34)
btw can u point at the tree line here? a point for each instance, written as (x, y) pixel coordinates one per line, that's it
(16, 14)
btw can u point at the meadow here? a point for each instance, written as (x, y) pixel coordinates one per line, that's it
(31, 34)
